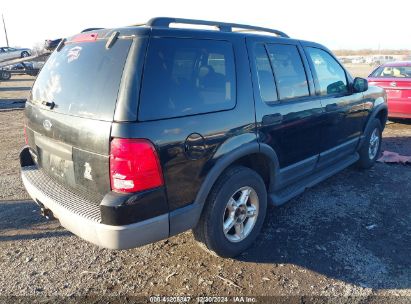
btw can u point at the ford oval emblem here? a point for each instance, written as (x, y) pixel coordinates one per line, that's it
(47, 125)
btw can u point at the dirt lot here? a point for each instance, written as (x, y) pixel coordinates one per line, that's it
(360, 70)
(13, 93)
(348, 237)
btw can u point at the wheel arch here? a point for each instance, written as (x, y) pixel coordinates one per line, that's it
(382, 115)
(258, 157)
(380, 112)
(253, 156)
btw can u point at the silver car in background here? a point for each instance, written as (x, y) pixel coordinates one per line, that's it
(8, 53)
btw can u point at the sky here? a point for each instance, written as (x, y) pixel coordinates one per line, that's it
(345, 24)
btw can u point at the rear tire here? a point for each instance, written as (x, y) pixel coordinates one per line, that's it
(371, 148)
(233, 214)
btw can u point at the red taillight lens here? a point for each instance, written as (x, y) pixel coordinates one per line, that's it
(25, 136)
(134, 165)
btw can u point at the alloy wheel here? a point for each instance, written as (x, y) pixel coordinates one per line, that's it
(374, 144)
(240, 214)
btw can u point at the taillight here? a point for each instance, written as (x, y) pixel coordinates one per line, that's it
(25, 136)
(134, 165)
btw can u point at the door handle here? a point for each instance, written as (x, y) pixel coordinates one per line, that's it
(272, 119)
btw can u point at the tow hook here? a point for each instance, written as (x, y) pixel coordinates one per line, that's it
(47, 213)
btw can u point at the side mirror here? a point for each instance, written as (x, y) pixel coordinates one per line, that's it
(360, 85)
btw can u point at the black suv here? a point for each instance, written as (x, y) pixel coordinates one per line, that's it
(139, 133)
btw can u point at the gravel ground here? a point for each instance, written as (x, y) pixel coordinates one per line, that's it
(360, 70)
(14, 92)
(348, 237)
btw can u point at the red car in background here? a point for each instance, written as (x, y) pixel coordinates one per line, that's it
(395, 78)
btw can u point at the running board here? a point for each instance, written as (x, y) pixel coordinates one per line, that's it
(284, 195)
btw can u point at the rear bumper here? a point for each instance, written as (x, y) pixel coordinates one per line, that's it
(83, 218)
(399, 115)
(399, 107)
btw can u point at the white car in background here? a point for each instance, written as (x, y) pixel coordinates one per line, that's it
(8, 53)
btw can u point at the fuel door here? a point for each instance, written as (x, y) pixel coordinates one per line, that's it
(195, 146)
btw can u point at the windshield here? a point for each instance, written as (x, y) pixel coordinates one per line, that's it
(83, 79)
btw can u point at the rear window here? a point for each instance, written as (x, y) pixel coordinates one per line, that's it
(392, 72)
(83, 79)
(186, 77)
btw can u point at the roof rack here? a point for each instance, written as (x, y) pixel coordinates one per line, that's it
(223, 27)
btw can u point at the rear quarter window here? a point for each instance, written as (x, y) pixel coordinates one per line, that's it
(187, 77)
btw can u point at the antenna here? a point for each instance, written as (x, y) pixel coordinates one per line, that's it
(5, 31)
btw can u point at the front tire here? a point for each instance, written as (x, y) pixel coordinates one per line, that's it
(234, 213)
(371, 148)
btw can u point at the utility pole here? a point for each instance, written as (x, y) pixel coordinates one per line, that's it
(5, 31)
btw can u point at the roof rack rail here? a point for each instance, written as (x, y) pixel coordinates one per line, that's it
(92, 29)
(224, 27)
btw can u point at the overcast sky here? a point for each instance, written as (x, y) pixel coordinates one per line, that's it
(345, 24)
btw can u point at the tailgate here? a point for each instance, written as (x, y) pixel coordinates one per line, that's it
(72, 150)
(70, 112)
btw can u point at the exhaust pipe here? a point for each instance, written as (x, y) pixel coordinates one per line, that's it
(47, 213)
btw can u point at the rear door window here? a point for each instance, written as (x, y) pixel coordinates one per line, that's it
(83, 79)
(289, 71)
(186, 77)
(266, 82)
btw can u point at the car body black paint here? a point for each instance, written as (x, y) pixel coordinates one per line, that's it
(296, 137)
(291, 127)
(123, 209)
